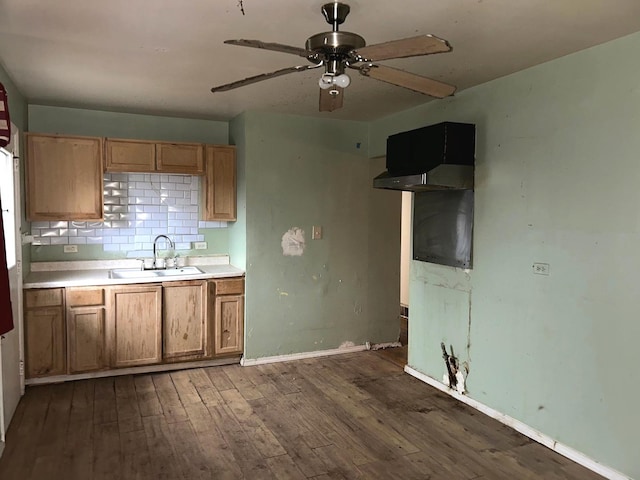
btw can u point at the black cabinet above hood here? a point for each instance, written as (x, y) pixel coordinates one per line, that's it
(436, 157)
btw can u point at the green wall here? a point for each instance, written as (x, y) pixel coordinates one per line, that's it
(301, 172)
(74, 121)
(238, 229)
(557, 171)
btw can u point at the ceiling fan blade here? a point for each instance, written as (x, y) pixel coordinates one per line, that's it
(330, 102)
(261, 77)
(408, 80)
(276, 47)
(406, 47)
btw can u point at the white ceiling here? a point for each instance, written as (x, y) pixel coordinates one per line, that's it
(163, 56)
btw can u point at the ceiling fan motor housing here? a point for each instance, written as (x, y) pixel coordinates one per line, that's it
(337, 43)
(334, 48)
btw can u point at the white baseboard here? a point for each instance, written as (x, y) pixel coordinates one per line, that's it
(247, 362)
(523, 428)
(164, 367)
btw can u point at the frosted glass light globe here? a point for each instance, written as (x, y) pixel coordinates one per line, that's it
(342, 80)
(326, 81)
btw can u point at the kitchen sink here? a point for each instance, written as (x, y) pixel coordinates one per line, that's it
(171, 272)
(132, 273)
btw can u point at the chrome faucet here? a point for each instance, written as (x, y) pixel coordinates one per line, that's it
(155, 249)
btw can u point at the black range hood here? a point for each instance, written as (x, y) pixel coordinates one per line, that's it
(437, 157)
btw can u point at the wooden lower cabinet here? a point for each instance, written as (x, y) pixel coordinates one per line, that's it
(86, 330)
(134, 332)
(44, 341)
(184, 326)
(228, 315)
(229, 318)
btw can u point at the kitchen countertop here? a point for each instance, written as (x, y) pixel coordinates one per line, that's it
(80, 274)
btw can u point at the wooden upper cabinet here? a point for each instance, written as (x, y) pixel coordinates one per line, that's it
(185, 158)
(64, 178)
(153, 157)
(129, 156)
(219, 184)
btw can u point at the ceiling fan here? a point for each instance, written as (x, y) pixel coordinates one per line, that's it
(336, 51)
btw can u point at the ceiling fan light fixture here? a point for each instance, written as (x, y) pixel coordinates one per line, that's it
(338, 50)
(328, 80)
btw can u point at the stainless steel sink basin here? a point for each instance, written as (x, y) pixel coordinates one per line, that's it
(133, 273)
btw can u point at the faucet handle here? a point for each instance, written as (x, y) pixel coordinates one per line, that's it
(147, 263)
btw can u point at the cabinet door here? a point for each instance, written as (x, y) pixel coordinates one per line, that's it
(64, 178)
(44, 342)
(184, 326)
(135, 325)
(186, 158)
(219, 184)
(86, 339)
(228, 324)
(129, 156)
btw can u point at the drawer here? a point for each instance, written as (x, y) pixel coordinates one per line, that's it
(231, 286)
(80, 297)
(46, 297)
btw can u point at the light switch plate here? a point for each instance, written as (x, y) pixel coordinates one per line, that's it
(200, 245)
(70, 249)
(316, 232)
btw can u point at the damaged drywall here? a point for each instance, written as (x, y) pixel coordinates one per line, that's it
(453, 376)
(293, 243)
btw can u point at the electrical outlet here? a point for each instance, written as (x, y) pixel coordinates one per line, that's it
(200, 245)
(316, 232)
(70, 249)
(541, 268)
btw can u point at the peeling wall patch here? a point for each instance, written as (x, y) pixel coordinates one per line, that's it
(347, 345)
(293, 242)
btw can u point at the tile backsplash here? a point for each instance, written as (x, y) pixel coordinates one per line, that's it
(137, 208)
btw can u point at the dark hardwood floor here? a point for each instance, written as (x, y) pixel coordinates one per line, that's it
(343, 417)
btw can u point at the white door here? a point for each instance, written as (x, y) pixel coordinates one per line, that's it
(12, 378)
